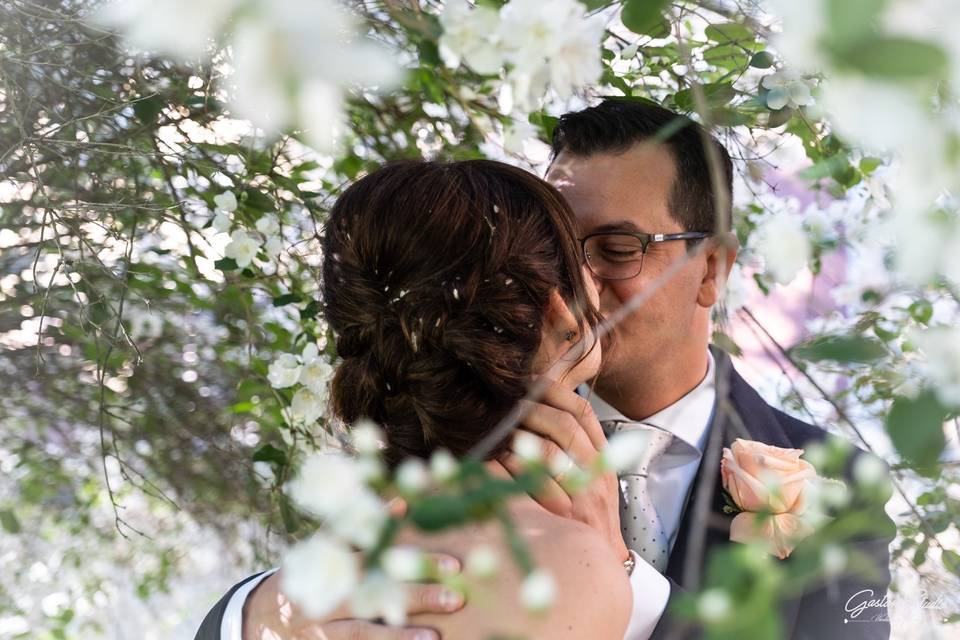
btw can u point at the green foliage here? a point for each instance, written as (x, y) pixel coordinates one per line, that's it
(915, 426)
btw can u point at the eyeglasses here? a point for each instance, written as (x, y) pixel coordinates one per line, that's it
(618, 255)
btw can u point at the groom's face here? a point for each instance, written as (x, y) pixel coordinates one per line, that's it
(630, 191)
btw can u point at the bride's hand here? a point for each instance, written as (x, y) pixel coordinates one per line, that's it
(269, 615)
(565, 424)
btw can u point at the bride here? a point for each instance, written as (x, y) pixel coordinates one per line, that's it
(450, 287)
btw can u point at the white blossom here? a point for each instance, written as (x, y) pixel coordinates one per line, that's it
(310, 353)
(221, 222)
(284, 371)
(625, 449)
(833, 559)
(786, 89)
(412, 476)
(268, 225)
(326, 483)
(319, 574)
(538, 591)
(783, 244)
(559, 48)
(316, 375)
(482, 562)
(869, 470)
(468, 36)
(800, 37)
(360, 520)
(163, 27)
(273, 246)
(527, 447)
(405, 564)
(941, 349)
(307, 406)
(443, 465)
(736, 290)
(225, 202)
(292, 60)
(242, 248)
(380, 596)
(714, 605)
(367, 437)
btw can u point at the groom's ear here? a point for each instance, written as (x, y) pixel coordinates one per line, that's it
(720, 256)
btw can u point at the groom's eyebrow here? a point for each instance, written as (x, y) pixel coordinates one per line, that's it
(619, 225)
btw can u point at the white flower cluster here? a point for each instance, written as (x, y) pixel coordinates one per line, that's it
(940, 348)
(292, 60)
(244, 246)
(309, 369)
(541, 49)
(872, 111)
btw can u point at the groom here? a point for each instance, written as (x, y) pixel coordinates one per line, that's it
(631, 168)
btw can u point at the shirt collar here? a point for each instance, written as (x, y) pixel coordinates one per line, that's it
(688, 418)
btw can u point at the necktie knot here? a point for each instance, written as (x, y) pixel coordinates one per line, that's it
(658, 441)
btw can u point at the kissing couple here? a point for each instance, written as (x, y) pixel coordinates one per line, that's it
(504, 276)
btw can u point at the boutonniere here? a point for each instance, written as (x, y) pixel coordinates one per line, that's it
(767, 488)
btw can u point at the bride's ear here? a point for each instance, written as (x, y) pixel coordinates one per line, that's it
(560, 331)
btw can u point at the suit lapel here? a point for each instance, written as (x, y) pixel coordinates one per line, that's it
(738, 412)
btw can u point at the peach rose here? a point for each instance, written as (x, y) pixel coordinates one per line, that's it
(769, 485)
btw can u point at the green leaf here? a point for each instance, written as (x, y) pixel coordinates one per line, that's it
(287, 298)
(226, 264)
(291, 520)
(729, 32)
(840, 348)
(894, 57)
(726, 343)
(259, 201)
(852, 20)
(868, 165)
(951, 560)
(716, 95)
(644, 16)
(147, 109)
(915, 426)
(762, 60)
(825, 168)
(439, 512)
(310, 310)
(545, 122)
(9, 521)
(269, 453)
(921, 311)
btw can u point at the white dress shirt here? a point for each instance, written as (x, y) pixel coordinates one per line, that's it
(670, 480)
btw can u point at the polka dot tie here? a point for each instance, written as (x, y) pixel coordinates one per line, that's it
(639, 523)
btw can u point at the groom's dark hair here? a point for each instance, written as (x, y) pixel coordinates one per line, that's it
(617, 124)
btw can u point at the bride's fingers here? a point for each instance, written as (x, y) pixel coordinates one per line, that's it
(364, 630)
(561, 429)
(559, 397)
(551, 495)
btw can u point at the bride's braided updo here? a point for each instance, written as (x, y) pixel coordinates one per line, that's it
(435, 281)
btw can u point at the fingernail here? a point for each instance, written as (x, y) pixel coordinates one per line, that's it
(449, 566)
(450, 599)
(424, 634)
